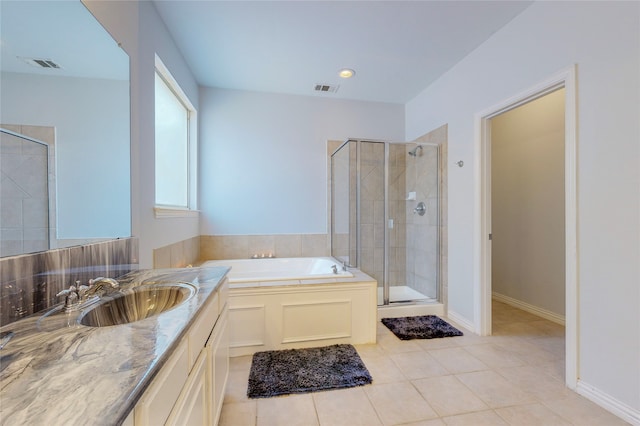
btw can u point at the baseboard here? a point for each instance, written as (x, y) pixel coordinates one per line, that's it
(462, 321)
(535, 310)
(609, 403)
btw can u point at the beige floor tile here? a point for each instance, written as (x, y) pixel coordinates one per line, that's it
(345, 407)
(556, 369)
(432, 344)
(417, 365)
(530, 415)
(527, 351)
(392, 345)
(494, 356)
(432, 422)
(516, 329)
(542, 385)
(237, 386)
(448, 396)
(383, 369)
(580, 411)
(468, 338)
(287, 410)
(494, 389)
(485, 375)
(549, 328)
(398, 403)
(458, 360)
(240, 363)
(481, 418)
(369, 350)
(240, 414)
(553, 344)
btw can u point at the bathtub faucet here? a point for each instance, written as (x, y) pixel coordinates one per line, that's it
(334, 268)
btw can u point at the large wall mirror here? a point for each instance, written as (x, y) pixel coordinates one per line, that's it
(64, 113)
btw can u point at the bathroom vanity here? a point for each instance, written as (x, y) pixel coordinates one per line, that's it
(170, 368)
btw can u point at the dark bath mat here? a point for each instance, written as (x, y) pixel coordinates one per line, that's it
(290, 371)
(421, 327)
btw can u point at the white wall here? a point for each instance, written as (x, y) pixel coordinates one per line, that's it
(142, 33)
(603, 39)
(91, 147)
(263, 157)
(527, 203)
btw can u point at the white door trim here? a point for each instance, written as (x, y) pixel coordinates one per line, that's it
(482, 257)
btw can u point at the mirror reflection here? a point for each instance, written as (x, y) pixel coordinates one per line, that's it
(64, 111)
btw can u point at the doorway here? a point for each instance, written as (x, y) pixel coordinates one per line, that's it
(563, 83)
(527, 207)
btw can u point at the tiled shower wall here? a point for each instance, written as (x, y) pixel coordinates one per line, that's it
(422, 231)
(30, 282)
(27, 193)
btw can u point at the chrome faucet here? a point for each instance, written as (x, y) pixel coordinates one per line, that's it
(102, 285)
(334, 268)
(79, 296)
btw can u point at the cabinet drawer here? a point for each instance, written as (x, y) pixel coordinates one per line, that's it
(155, 405)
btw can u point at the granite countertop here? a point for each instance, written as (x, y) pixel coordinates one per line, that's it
(56, 371)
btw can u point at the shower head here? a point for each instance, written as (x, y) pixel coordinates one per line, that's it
(414, 151)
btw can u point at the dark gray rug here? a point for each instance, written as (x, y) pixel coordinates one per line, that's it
(305, 370)
(420, 327)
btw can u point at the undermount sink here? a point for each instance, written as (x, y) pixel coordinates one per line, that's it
(137, 304)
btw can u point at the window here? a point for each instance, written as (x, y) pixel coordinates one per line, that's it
(174, 147)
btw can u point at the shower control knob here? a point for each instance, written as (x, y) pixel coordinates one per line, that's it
(421, 209)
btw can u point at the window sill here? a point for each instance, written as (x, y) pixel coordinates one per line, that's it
(168, 212)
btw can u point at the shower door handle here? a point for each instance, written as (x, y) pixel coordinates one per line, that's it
(421, 209)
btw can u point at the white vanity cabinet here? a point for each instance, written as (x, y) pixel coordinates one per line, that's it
(189, 388)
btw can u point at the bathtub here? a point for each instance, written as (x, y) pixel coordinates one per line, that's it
(281, 269)
(288, 303)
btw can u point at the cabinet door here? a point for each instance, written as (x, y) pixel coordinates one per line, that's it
(219, 354)
(191, 408)
(155, 405)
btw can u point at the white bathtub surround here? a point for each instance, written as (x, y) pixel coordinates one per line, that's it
(285, 271)
(283, 312)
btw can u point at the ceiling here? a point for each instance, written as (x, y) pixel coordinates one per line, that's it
(397, 48)
(62, 31)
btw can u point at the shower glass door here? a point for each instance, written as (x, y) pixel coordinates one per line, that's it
(379, 191)
(25, 194)
(422, 215)
(343, 204)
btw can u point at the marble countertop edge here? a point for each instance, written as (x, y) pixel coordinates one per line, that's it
(107, 369)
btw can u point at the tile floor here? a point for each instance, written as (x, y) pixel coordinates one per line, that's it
(515, 377)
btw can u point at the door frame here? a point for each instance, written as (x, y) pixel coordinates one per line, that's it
(482, 295)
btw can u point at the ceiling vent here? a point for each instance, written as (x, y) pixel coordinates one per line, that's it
(327, 88)
(41, 63)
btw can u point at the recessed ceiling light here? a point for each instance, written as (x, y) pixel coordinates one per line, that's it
(346, 73)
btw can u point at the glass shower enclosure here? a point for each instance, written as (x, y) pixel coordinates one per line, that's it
(385, 216)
